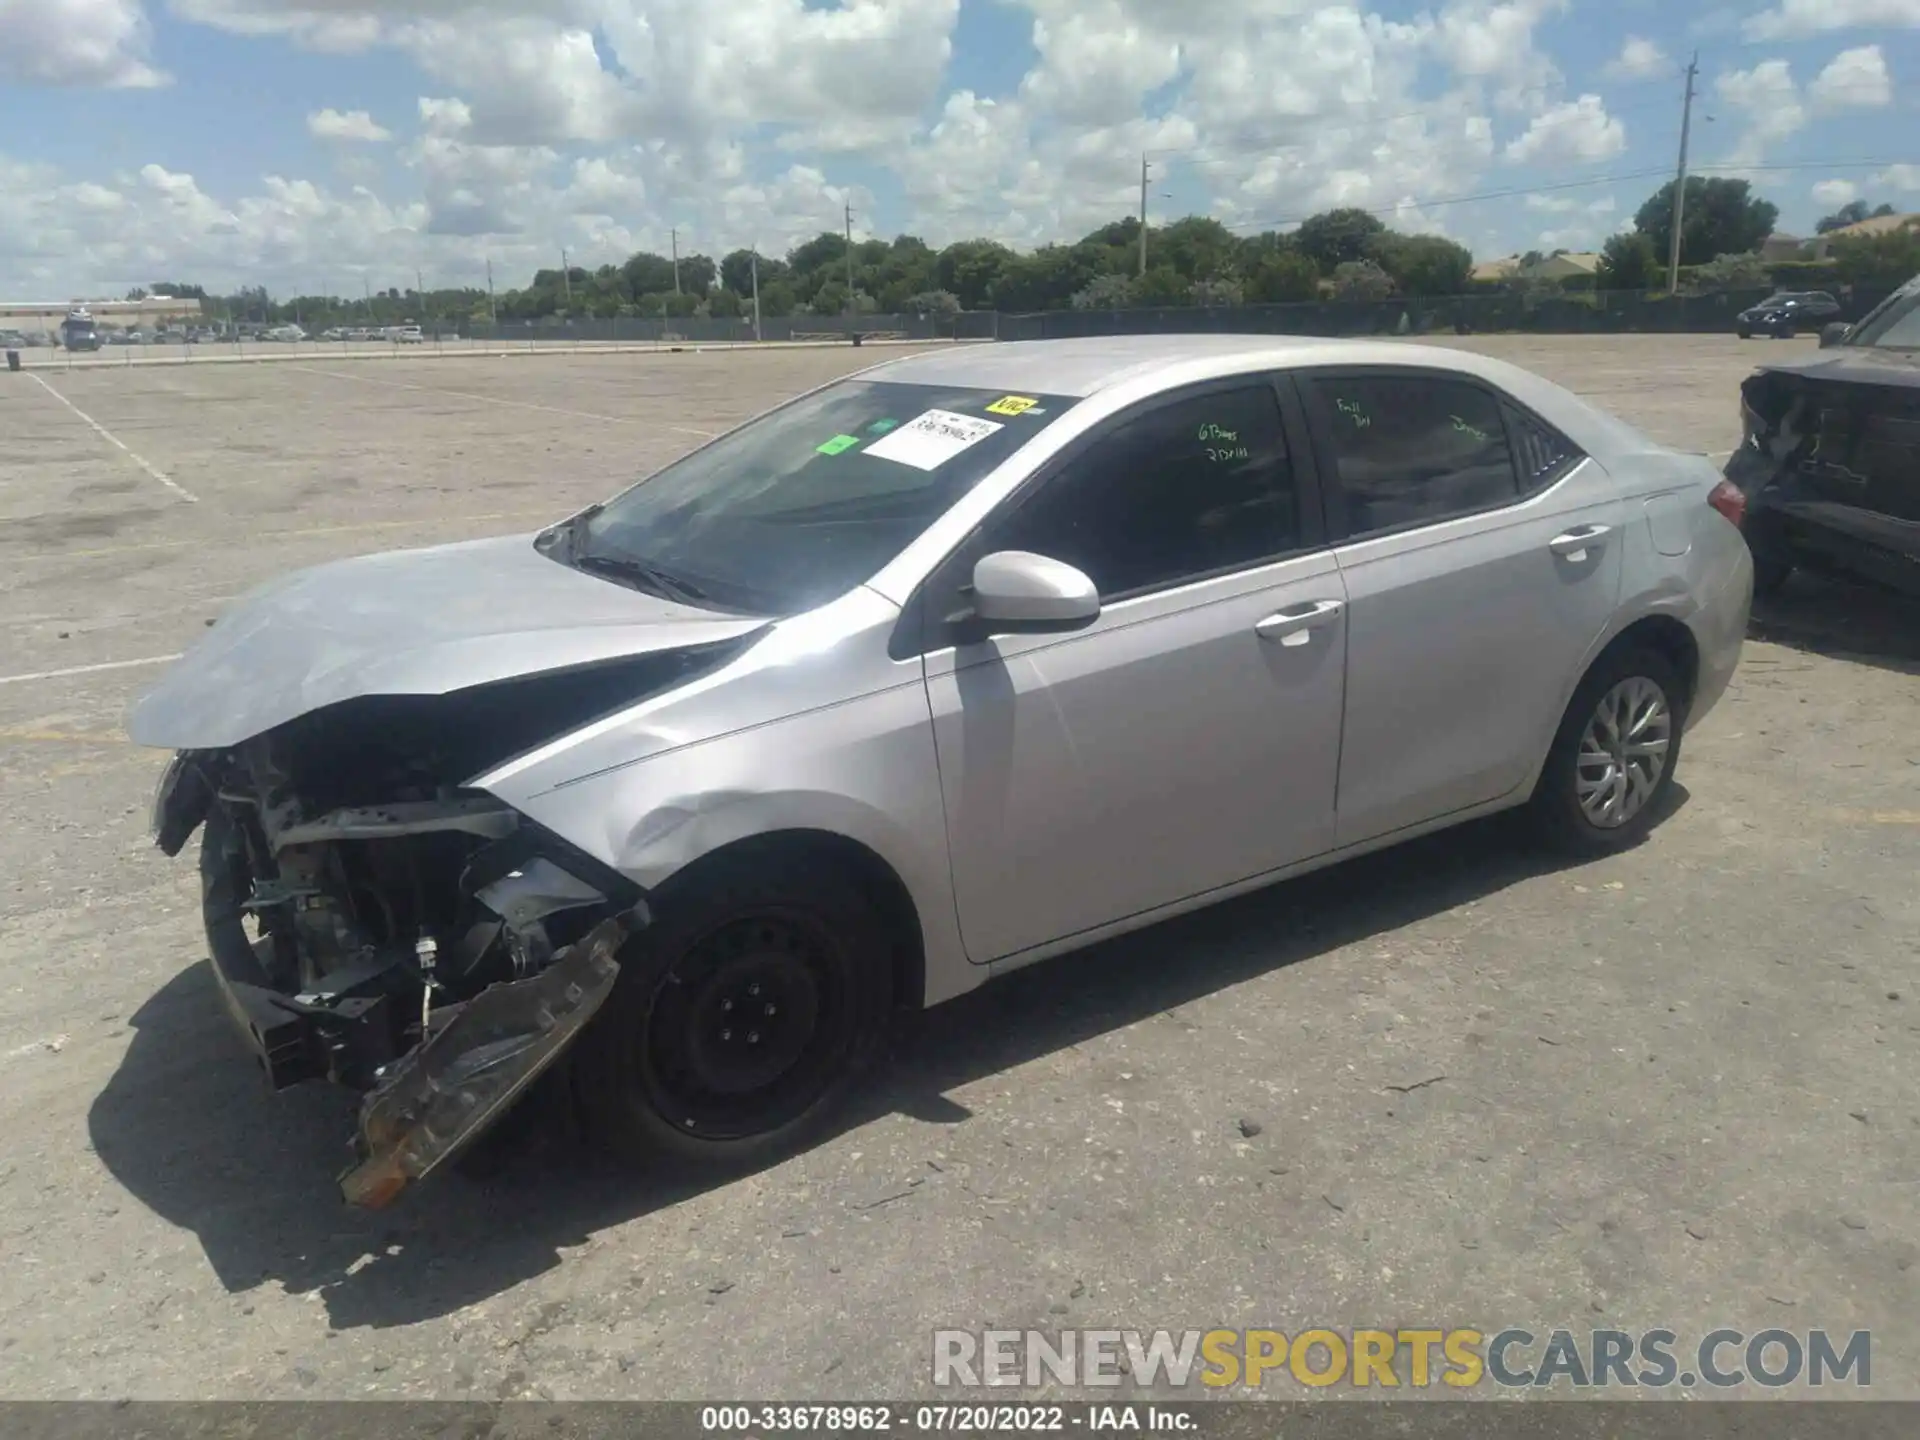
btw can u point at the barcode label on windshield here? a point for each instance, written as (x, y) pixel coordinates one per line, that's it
(934, 438)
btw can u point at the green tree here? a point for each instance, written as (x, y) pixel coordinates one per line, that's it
(1422, 264)
(1723, 217)
(1628, 262)
(737, 267)
(932, 302)
(970, 269)
(1890, 259)
(1336, 237)
(777, 298)
(697, 274)
(1283, 275)
(1197, 248)
(1361, 280)
(1111, 291)
(1045, 280)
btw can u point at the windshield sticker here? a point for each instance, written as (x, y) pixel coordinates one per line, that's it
(880, 427)
(1012, 405)
(934, 438)
(838, 444)
(1353, 410)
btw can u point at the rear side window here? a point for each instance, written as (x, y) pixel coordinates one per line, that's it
(1541, 452)
(1194, 487)
(1413, 449)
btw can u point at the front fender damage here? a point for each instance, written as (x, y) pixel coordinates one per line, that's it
(480, 1057)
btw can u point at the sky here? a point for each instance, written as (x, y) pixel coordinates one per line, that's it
(323, 146)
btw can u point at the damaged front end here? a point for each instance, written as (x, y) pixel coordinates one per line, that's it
(375, 924)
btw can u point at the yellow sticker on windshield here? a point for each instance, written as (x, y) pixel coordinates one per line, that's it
(1011, 405)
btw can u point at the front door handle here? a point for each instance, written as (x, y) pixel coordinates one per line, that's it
(1575, 544)
(1295, 624)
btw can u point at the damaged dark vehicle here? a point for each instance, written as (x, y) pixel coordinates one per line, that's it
(1830, 461)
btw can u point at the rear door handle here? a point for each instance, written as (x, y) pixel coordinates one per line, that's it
(1575, 544)
(1295, 625)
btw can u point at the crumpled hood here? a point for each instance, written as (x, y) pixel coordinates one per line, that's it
(1864, 364)
(408, 622)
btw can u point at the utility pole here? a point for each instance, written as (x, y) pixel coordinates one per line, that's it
(566, 279)
(1143, 213)
(673, 239)
(420, 289)
(849, 257)
(366, 288)
(493, 308)
(756, 292)
(1680, 180)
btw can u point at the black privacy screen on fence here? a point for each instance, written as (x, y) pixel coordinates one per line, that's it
(1595, 313)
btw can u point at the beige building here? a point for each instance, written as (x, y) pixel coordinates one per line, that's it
(1878, 225)
(1566, 265)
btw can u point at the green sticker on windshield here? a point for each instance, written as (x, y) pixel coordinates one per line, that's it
(880, 427)
(838, 444)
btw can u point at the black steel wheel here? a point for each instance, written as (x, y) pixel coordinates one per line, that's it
(743, 1016)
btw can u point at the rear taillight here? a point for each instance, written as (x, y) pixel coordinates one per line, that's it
(1730, 500)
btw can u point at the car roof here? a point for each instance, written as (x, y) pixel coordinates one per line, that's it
(1082, 367)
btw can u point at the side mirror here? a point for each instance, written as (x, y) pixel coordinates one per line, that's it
(1018, 593)
(1833, 334)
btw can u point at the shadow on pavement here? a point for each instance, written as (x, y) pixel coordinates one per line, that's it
(190, 1130)
(1827, 615)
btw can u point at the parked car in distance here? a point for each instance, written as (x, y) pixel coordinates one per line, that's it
(407, 335)
(289, 334)
(1829, 467)
(359, 335)
(1784, 314)
(333, 333)
(966, 660)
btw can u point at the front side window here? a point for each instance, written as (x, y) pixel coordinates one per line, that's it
(1415, 449)
(1193, 487)
(801, 505)
(1894, 324)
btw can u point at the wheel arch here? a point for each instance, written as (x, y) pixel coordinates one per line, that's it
(876, 878)
(1660, 630)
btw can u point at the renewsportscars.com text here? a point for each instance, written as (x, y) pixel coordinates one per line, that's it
(1460, 1358)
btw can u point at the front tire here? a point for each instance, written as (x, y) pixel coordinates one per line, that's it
(743, 1018)
(1745, 333)
(1613, 758)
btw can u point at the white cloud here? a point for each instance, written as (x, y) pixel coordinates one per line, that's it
(76, 42)
(355, 125)
(1899, 177)
(1494, 43)
(1568, 205)
(1853, 78)
(1835, 192)
(1574, 131)
(1638, 59)
(1795, 18)
(1767, 101)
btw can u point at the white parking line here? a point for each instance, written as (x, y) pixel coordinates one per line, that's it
(497, 400)
(112, 439)
(87, 669)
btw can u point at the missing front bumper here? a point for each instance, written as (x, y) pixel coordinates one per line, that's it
(439, 1097)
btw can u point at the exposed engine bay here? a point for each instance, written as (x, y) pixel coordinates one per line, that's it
(376, 923)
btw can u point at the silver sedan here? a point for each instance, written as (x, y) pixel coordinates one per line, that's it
(974, 657)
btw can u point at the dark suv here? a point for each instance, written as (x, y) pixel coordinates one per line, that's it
(1780, 315)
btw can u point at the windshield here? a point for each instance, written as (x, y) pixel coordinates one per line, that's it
(1894, 325)
(802, 504)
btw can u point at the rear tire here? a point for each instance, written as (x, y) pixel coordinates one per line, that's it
(743, 1017)
(1613, 758)
(1745, 333)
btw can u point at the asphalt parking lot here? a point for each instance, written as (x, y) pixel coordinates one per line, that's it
(1454, 1084)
